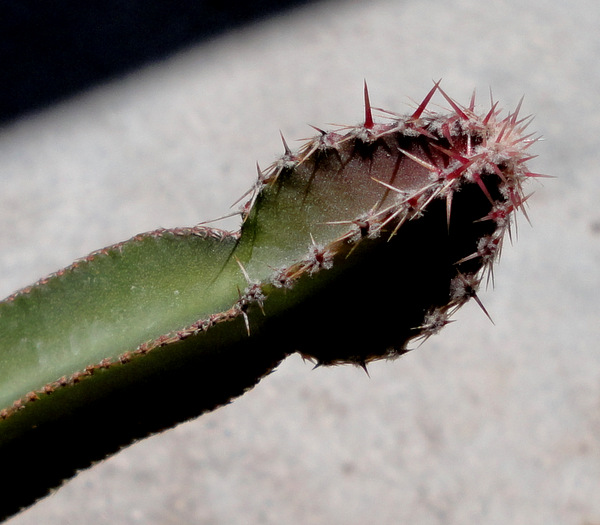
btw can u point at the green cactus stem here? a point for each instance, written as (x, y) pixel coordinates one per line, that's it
(354, 248)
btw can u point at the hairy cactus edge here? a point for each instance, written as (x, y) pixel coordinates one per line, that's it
(424, 200)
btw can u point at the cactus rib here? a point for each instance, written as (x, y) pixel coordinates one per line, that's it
(364, 241)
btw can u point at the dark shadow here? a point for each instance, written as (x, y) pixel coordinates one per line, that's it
(50, 50)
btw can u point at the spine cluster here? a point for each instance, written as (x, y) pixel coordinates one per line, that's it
(408, 165)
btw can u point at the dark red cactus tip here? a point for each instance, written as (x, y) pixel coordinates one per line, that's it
(449, 187)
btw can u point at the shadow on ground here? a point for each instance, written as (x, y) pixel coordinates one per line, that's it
(51, 50)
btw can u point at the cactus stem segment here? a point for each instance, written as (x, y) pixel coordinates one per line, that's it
(366, 239)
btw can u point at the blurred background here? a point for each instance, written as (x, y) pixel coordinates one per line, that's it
(124, 116)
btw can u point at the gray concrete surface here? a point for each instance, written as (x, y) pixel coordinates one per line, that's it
(483, 424)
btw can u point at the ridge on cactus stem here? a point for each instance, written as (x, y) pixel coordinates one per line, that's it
(358, 246)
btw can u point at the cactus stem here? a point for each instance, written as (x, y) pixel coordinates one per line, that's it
(320, 228)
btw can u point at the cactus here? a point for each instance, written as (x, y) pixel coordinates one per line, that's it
(354, 248)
